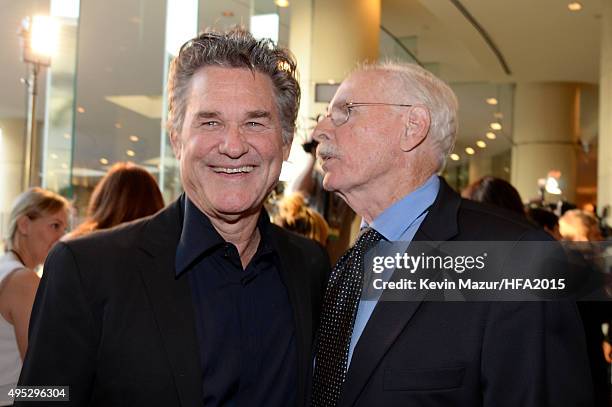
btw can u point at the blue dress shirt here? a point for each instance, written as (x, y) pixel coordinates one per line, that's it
(244, 320)
(399, 222)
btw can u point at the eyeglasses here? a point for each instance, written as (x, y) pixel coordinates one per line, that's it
(341, 114)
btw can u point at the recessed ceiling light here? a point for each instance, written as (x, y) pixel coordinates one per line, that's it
(133, 138)
(496, 126)
(491, 136)
(130, 153)
(574, 6)
(492, 101)
(81, 109)
(481, 144)
(455, 157)
(103, 161)
(498, 115)
(118, 125)
(470, 150)
(282, 3)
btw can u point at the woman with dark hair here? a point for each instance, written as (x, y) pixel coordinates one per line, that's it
(127, 192)
(497, 192)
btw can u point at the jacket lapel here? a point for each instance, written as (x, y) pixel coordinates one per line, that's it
(170, 300)
(390, 318)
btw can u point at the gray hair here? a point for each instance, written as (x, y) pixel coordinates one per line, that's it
(33, 203)
(432, 92)
(236, 48)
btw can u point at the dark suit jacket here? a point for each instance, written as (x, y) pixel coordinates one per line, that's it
(495, 354)
(111, 321)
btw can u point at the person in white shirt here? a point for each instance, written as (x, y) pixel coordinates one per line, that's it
(38, 219)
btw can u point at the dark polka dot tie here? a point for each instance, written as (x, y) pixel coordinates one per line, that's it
(337, 321)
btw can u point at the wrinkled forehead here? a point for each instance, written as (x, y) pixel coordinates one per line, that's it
(367, 86)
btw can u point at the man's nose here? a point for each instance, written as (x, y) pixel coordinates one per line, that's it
(323, 130)
(234, 144)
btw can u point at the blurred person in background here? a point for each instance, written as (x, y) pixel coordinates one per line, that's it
(581, 228)
(37, 220)
(545, 219)
(295, 215)
(127, 192)
(497, 192)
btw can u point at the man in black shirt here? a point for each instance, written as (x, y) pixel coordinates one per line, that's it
(206, 303)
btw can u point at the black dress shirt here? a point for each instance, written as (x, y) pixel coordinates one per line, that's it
(244, 320)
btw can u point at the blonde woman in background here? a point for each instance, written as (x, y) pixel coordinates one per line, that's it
(38, 219)
(295, 215)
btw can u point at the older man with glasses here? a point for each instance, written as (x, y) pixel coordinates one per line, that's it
(385, 137)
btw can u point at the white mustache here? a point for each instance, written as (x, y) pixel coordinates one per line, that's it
(325, 151)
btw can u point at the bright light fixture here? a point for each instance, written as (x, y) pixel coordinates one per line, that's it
(103, 161)
(455, 157)
(552, 186)
(481, 144)
(470, 150)
(492, 101)
(491, 136)
(130, 153)
(133, 138)
(44, 34)
(574, 6)
(81, 109)
(282, 3)
(496, 126)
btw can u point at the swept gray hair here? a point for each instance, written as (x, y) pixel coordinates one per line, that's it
(236, 48)
(424, 87)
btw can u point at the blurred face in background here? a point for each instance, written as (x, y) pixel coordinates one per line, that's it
(230, 147)
(37, 236)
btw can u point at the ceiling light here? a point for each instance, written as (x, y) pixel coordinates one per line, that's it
(498, 115)
(496, 126)
(133, 138)
(574, 6)
(492, 101)
(130, 153)
(481, 144)
(282, 3)
(491, 136)
(455, 157)
(470, 150)
(81, 109)
(118, 125)
(103, 161)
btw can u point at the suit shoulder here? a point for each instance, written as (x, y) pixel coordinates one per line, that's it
(122, 236)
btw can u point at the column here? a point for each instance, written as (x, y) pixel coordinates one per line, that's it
(546, 124)
(604, 167)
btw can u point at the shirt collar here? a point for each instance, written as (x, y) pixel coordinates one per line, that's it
(394, 221)
(198, 235)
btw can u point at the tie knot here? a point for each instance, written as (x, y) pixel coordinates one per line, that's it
(368, 237)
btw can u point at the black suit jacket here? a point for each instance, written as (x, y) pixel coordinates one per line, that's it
(111, 321)
(494, 354)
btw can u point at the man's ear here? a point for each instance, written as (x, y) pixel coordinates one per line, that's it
(23, 225)
(417, 128)
(175, 140)
(286, 150)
